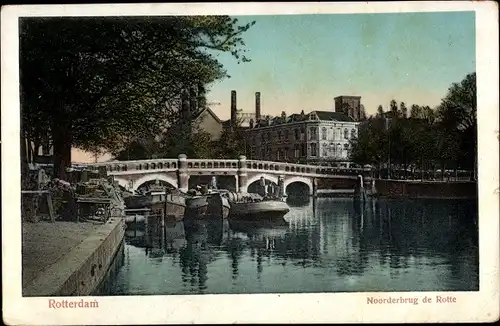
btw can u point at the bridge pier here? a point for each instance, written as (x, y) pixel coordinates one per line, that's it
(314, 190)
(281, 186)
(182, 174)
(242, 177)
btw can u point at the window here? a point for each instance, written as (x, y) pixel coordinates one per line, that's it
(286, 135)
(323, 133)
(279, 135)
(346, 146)
(346, 133)
(303, 150)
(314, 150)
(297, 150)
(285, 154)
(278, 154)
(338, 133)
(312, 133)
(339, 150)
(353, 133)
(325, 149)
(296, 134)
(302, 133)
(262, 139)
(262, 153)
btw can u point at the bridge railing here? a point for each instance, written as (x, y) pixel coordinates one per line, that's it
(302, 168)
(137, 165)
(225, 164)
(212, 164)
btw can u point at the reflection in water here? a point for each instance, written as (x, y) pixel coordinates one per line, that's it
(322, 245)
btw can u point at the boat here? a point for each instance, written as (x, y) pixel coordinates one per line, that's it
(136, 201)
(171, 206)
(250, 206)
(145, 198)
(160, 201)
(213, 204)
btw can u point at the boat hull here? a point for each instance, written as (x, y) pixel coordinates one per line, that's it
(268, 209)
(172, 208)
(207, 206)
(134, 202)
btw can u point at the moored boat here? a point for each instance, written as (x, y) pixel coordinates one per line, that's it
(250, 206)
(213, 204)
(172, 206)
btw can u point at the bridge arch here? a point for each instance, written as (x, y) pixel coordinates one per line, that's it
(305, 180)
(257, 177)
(153, 177)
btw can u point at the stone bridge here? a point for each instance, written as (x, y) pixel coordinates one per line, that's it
(179, 172)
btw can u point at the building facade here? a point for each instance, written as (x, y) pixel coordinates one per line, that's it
(209, 122)
(318, 137)
(349, 105)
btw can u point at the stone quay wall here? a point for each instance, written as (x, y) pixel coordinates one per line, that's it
(81, 271)
(425, 189)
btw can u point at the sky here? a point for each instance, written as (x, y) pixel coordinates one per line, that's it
(301, 62)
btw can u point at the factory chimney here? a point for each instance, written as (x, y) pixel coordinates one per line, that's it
(257, 106)
(233, 109)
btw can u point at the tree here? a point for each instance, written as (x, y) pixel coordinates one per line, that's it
(458, 109)
(446, 136)
(232, 142)
(458, 115)
(380, 111)
(415, 112)
(103, 82)
(362, 112)
(393, 107)
(404, 110)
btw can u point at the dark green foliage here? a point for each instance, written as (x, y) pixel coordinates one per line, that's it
(99, 84)
(445, 137)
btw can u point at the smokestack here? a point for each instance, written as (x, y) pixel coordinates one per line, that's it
(257, 106)
(233, 108)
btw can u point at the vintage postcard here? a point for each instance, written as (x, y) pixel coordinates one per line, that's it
(250, 163)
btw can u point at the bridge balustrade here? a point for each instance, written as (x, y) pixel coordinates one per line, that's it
(272, 167)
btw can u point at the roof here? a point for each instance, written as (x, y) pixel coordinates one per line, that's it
(209, 112)
(333, 116)
(347, 96)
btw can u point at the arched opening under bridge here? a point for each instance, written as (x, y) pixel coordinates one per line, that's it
(298, 190)
(258, 183)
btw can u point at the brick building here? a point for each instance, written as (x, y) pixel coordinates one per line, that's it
(315, 137)
(350, 106)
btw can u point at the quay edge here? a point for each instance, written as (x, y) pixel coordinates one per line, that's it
(81, 271)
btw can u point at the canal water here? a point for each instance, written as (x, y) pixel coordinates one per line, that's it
(322, 245)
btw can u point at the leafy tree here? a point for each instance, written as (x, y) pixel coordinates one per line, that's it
(393, 107)
(415, 112)
(104, 82)
(404, 110)
(232, 142)
(362, 112)
(445, 137)
(380, 111)
(458, 115)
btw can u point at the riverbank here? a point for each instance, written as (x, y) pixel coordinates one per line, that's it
(68, 258)
(425, 189)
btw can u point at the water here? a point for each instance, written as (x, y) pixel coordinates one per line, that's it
(327, 245)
